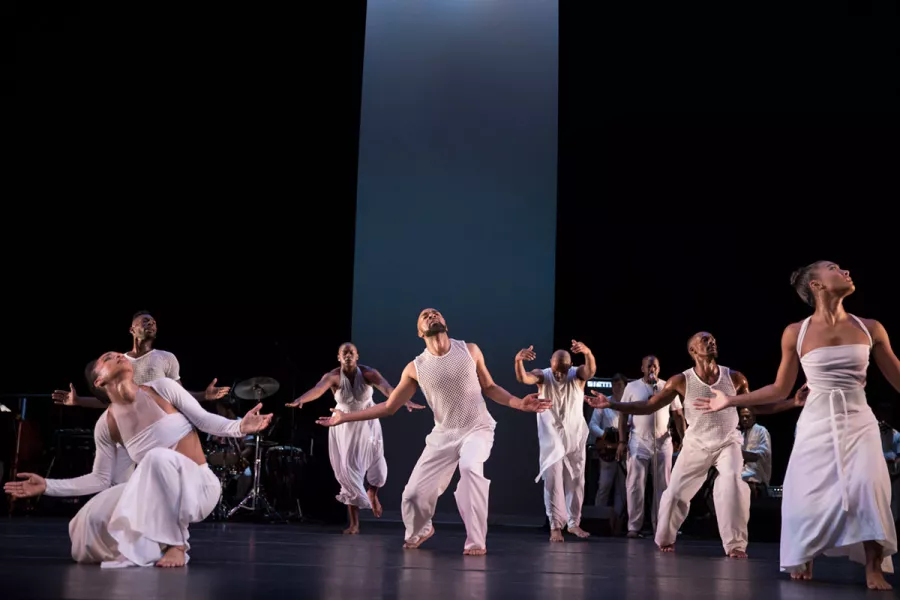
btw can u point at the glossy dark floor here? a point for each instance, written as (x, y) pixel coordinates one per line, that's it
(300, 561)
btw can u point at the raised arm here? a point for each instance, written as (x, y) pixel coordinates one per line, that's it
(884, 356)
(674, 387)
(533, 377)
(774, 392)
(329, 380)
(489, 388)
(586, 371)
(398, 397)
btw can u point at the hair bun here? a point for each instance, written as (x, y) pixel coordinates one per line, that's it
(795, 276)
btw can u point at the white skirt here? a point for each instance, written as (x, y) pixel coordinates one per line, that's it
(836, 495)
(130, 524)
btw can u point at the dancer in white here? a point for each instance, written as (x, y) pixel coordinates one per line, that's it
(356, 450)
(453, 377)
(149, 364)
(143, 522)
(562, 434)
(837, 491)
(646, 437)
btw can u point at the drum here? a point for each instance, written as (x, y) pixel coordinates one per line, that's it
(224, 456)
(284, 469)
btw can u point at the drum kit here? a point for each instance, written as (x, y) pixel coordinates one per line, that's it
(265, 463)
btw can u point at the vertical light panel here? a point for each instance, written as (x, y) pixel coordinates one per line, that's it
(456, 208)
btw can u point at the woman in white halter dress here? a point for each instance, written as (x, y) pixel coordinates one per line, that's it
(837, 491)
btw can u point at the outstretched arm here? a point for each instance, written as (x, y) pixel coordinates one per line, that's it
(329, 380)
(533, 377)
(884, 356)
(399, 396)
(70, 398)
(529, 403)
(797, 401)
(375, 379)
(674, 387)
(774, 392)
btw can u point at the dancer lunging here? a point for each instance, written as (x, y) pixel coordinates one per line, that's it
(453, 377)
(837, 490)
(562, 434)
(711, 440)
(356, 450)
(145, 521)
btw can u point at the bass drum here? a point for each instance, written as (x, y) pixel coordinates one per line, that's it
(283, 478)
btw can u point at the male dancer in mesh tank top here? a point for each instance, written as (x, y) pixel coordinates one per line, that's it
(453, 377)
(149, 364)
(707, 443)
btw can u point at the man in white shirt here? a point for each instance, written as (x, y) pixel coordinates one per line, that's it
(604, 425)
(149, 364)
(757, 450)
(649, 445)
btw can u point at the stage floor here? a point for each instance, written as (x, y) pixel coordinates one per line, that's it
(301, 561)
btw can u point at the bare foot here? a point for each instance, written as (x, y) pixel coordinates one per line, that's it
(578, 531)
(737, 554)
(805, 574)
(875, 578)
(352, 530)
(556, 535)
(420, 541)
(667, 548)
(376, 503)
(475, 552)
(173, 557)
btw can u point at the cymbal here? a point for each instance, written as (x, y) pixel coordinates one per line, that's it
(256, 388)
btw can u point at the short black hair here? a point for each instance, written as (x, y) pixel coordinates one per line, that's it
(141, 313)
(800, 280)
(90, 374)
(619, 377)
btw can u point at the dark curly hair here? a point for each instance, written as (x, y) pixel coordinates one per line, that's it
(800, 280)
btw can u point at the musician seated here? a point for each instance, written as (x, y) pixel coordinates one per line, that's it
(143, 522)
(604, 436)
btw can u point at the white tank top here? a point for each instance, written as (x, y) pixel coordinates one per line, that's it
(355, 396)
(567, 403)
(451, 388)
(711, 429)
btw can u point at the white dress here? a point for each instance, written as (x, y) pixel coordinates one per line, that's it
(837, 491)
(356, 449)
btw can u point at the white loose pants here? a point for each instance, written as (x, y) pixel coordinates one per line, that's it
(730, 493)
(130, 524)
(564, 490)
(432, 475)
(640, 461)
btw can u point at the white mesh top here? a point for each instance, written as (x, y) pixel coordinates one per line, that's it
(156, 364)
(451, 388)
(711, 429)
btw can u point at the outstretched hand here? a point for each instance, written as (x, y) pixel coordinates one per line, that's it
(526, 354)
(718, 402)
(214, 393)
(253, 421)
(531, 403)
(596, 400)
(34, 485)
(65, 398)
(336, 418)
(579, 348)
(411, 406)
